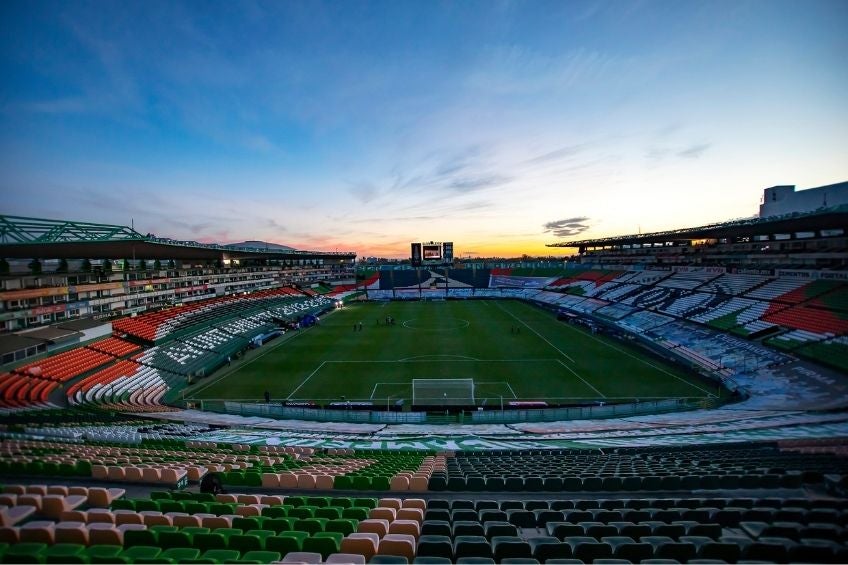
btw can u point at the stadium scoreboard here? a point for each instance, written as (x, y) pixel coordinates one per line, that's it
(431, 253)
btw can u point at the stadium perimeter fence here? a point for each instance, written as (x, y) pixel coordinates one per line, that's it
(508, 416)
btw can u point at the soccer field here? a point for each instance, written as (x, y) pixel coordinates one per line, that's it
(511, 350)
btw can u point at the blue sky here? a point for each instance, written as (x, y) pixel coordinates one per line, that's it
(363, 126)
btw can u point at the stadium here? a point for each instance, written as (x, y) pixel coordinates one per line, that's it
(653, 398)
(423, 283)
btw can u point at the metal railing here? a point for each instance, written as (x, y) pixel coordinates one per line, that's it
(280, 412)
(507, 415)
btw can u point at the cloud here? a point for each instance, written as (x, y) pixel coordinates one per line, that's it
(557, 154)
(567, 227)
(694, 151)
(470, 184)
(364, 191)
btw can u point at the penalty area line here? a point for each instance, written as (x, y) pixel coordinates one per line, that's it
(289, 397)
(573, 372)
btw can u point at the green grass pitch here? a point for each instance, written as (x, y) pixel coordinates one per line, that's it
(547, 360)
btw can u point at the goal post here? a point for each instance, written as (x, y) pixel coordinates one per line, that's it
(443, 392)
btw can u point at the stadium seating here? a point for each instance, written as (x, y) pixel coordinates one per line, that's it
(52, 522)
(115, 347)
(192, 340)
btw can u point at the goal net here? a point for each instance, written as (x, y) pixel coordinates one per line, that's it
(443, 392)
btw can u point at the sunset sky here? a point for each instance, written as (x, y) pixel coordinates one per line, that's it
(364, 126)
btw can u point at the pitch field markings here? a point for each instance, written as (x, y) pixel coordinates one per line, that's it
(267, 349)
(543, 338)
(573, 372)
(428, 359)
(477, 386)
(374, 390)
(437, 357)
(306, 380)
(645, 361)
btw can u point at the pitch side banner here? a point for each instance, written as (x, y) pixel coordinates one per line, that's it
(809, 274)
(520, 282)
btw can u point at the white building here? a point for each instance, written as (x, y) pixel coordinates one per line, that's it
(779, 200)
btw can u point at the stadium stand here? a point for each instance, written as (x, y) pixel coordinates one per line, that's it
(753, 503)
(117, 477)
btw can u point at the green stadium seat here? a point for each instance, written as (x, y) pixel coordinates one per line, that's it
(361, 482)
(342, 525)
(341, 502)
(105, 554)
(168, 540)
(144, 505)
(329, 512)
(380, 483)
(318, 501)
(27, 552)
(343, 482)
(246, 542)
(355, 513)
(296, 501)
(214, 540)
(180, 554)
(123, 504)
(311, 525)
(248, 523)
(195, 507)
(170, 506)
(141, 552)
(275, 512)
(261, 556)
(221, 555)
(324, 543)
(279, 524)
(302, 512)
(147, 537)
(65, 553)
(286, 542)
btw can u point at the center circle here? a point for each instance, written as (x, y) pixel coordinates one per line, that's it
(436, 325)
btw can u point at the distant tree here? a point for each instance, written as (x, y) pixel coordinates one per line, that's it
(86, 266)
(4, 267)
(142, 265)
(63, 266)
(35, 267)
(157, 265)
(107, 266)
(171, 264)
(127, 265)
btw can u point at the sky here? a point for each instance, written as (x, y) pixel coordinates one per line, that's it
(364, 126)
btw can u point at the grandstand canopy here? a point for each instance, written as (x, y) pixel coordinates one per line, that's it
(27, 238)
(834, 218)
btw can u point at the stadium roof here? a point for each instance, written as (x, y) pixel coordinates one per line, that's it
(25, 238)
(831, 218)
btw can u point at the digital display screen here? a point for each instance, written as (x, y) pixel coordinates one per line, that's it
(432, 252)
